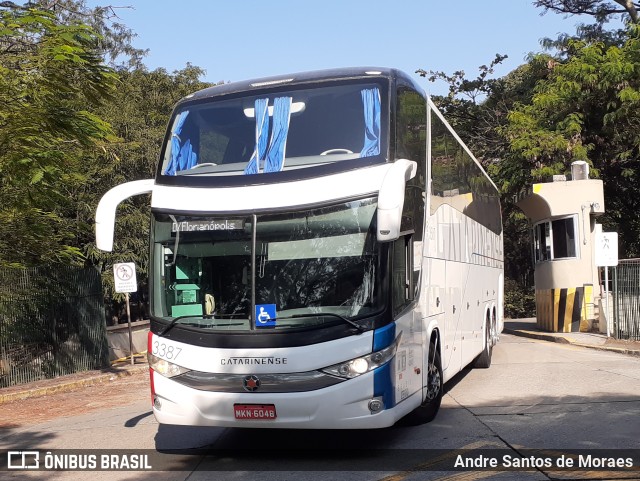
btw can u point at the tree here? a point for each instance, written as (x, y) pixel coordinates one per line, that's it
(51, 78)
(588, 108)
(577, 101)
(113, 40)
(465, 108)
(601, 10)
(79, 114)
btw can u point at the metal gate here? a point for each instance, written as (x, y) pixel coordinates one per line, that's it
(626, 300)
(51, 323)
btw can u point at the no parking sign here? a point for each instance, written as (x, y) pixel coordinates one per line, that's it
(124, 276)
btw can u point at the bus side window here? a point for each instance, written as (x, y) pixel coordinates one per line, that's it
(402, 290)
(411, 143)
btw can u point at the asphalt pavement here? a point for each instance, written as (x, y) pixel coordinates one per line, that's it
(517, 327)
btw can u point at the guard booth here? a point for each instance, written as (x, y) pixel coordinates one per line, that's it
(563, 220)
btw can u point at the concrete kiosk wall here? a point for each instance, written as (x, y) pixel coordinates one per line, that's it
(563, 218)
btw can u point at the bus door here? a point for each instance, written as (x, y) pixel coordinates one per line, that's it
(409, 357)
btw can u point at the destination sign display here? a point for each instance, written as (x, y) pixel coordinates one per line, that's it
(201, 225)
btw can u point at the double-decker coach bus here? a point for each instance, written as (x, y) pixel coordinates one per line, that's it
(325, 252)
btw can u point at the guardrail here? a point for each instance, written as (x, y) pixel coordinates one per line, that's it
(626, 300)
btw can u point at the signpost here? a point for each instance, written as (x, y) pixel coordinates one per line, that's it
(606, 256)
(124, 276)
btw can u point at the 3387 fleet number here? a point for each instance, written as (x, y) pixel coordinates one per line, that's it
(165, 351)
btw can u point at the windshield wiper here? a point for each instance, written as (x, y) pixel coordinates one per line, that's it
(175, 320)
(358, 327)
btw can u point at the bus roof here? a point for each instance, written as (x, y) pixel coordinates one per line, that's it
(301, 78)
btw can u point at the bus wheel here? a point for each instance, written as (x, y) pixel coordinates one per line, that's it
(434, 390)
(483, 361)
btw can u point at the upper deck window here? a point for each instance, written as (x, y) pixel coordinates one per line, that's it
(274, 131)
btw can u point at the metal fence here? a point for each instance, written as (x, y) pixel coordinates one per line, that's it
(51, 323)
(626, 300)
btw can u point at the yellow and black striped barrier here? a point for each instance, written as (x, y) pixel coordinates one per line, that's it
(564, 309)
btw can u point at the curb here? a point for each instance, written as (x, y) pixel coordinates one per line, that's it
(563, 340)
(67, 385)
(536, 335)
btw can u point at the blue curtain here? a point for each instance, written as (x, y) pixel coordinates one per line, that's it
(262, 135)
(187, 158)
(175, 145)
(371, 103)
(278, 145)
(273, 157)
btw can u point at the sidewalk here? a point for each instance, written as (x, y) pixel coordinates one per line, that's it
(528, 328)
(73, 382)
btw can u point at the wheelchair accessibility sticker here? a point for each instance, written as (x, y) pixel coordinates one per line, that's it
(265, 315)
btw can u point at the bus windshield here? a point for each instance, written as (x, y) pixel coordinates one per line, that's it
(275, 131)
(309, 268)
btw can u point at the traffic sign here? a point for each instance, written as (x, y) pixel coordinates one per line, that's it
(124, 276)
(606, 249)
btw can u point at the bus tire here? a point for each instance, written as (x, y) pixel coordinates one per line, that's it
(483, 361)
(427, 411)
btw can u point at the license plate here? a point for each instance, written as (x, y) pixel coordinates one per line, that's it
(254, 411)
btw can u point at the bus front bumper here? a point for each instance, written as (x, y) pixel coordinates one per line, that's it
(346, 405)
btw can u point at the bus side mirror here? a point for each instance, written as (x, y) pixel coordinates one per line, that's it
(106, 211)
(391, 199)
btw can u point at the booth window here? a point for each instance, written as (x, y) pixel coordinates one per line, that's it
(555, 239)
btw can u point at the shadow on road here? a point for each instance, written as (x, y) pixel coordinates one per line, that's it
(133, 422)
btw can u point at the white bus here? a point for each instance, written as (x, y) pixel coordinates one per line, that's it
(325, 252)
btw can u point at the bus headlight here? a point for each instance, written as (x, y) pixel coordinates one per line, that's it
(361, 365)
(164, 367)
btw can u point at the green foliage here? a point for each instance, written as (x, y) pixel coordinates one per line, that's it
(72, 127)
(587, 108)
(51, 78)
(519, 300)
(113, 41)
(465, 106)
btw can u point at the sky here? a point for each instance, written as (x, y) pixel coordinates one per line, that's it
(245, 39)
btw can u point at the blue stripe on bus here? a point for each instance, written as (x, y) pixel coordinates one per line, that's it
(384, 336)
(382, 377)
(382, 385)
